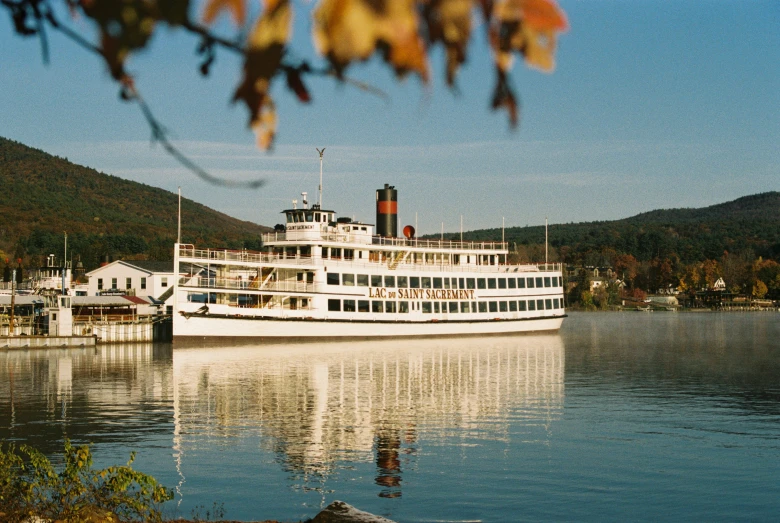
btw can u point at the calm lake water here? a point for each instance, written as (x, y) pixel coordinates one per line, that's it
(625, 416)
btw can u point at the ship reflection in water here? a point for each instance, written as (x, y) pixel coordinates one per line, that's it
(321, 407)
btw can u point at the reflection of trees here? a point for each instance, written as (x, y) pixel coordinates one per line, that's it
(315, 406)
(109, 394)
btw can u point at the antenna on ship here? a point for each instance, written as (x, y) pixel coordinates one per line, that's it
(321, 153)
(545, 242)
(305, 196)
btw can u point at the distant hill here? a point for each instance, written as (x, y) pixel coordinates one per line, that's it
(43, 195)
(750, 223)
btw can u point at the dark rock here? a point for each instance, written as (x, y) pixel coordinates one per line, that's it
(340, 512)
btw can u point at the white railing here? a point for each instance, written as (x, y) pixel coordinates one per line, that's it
(274, 237)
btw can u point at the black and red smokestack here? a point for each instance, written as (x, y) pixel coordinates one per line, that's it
(387, 212)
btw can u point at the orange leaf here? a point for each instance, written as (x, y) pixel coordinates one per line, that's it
(543, 15)
(214, 8)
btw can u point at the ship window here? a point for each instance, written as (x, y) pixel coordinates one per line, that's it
(531, 305)
(548, 304)
(414, 282)
(348, 279)
(426, 307)
(349, 254)
(100, 284)
(376, 280)
(291, 252)
(403, 306)
(316, 216)
(324, 252)
(333, 278)
(309, 277)
(491, 283)
(540, 305)
(447, 283)
(464, 306)
(305, 250)
(334, 305)
(299, 276)
(502, 283)
(547, 281)
(521, 283)
(470, 283)
(461, 283)
(481, 283)
(349, 305)
(556, 304)
(363, 306)
(436, 307)
(335, 252)
(437, 283)
(502, 306)
(362, 280)
(389, 281)
(309, 217)
(289, 218)
(512, 305)
(538, 282)
(426, 282)
(493, 306)
(512, 283)
(521, 305)
(482, 306)
(530, 283)
(453, 306)
(376, 306)
(390, 306)
(403, 282)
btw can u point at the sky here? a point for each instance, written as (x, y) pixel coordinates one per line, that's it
(653, 104)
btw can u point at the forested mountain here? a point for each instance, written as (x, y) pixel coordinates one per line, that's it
(748, 225)
(43, 195)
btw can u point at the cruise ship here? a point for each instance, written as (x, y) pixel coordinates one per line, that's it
(323, 276)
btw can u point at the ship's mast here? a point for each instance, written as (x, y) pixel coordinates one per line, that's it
(321, 153)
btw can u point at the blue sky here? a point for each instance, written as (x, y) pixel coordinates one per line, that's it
(654, 104)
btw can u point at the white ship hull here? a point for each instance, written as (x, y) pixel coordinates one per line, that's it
(198, 328)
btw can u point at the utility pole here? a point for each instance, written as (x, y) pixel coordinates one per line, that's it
(178, 233)
(13, 304)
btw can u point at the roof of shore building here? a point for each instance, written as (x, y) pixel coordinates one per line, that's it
(150, 266)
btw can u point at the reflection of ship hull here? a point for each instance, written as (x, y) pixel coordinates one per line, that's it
(199, 327)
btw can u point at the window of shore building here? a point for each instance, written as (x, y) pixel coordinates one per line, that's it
(547, 281)
(348, 279)
(128, 283)
(521, 305)
(334, 305)
(471, 283)
(333, 278)
(437, 283)
(426, 282)
(377, 306)
(426, 307)
(483, 306)
(403, 282)
(100, 284)
(548, 304)
(164, 281)
(453, 306)
(113, 283)
(403, 306)
(389, 281)
(436, 307)
(349, 305)
(530, 282)
(512, 306)
(362, 280)
(521, 283)
(502, 307)
(540, 305)
(531, 305)
(491, 283)
(143, 283)
(502, 283)
(493, 306)
(376, 280)
(390, 306)
(464, 306)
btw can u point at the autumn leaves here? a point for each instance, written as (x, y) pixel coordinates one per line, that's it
(401, 32)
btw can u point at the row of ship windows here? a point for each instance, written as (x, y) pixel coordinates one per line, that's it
(426, 282)
(436, 307)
